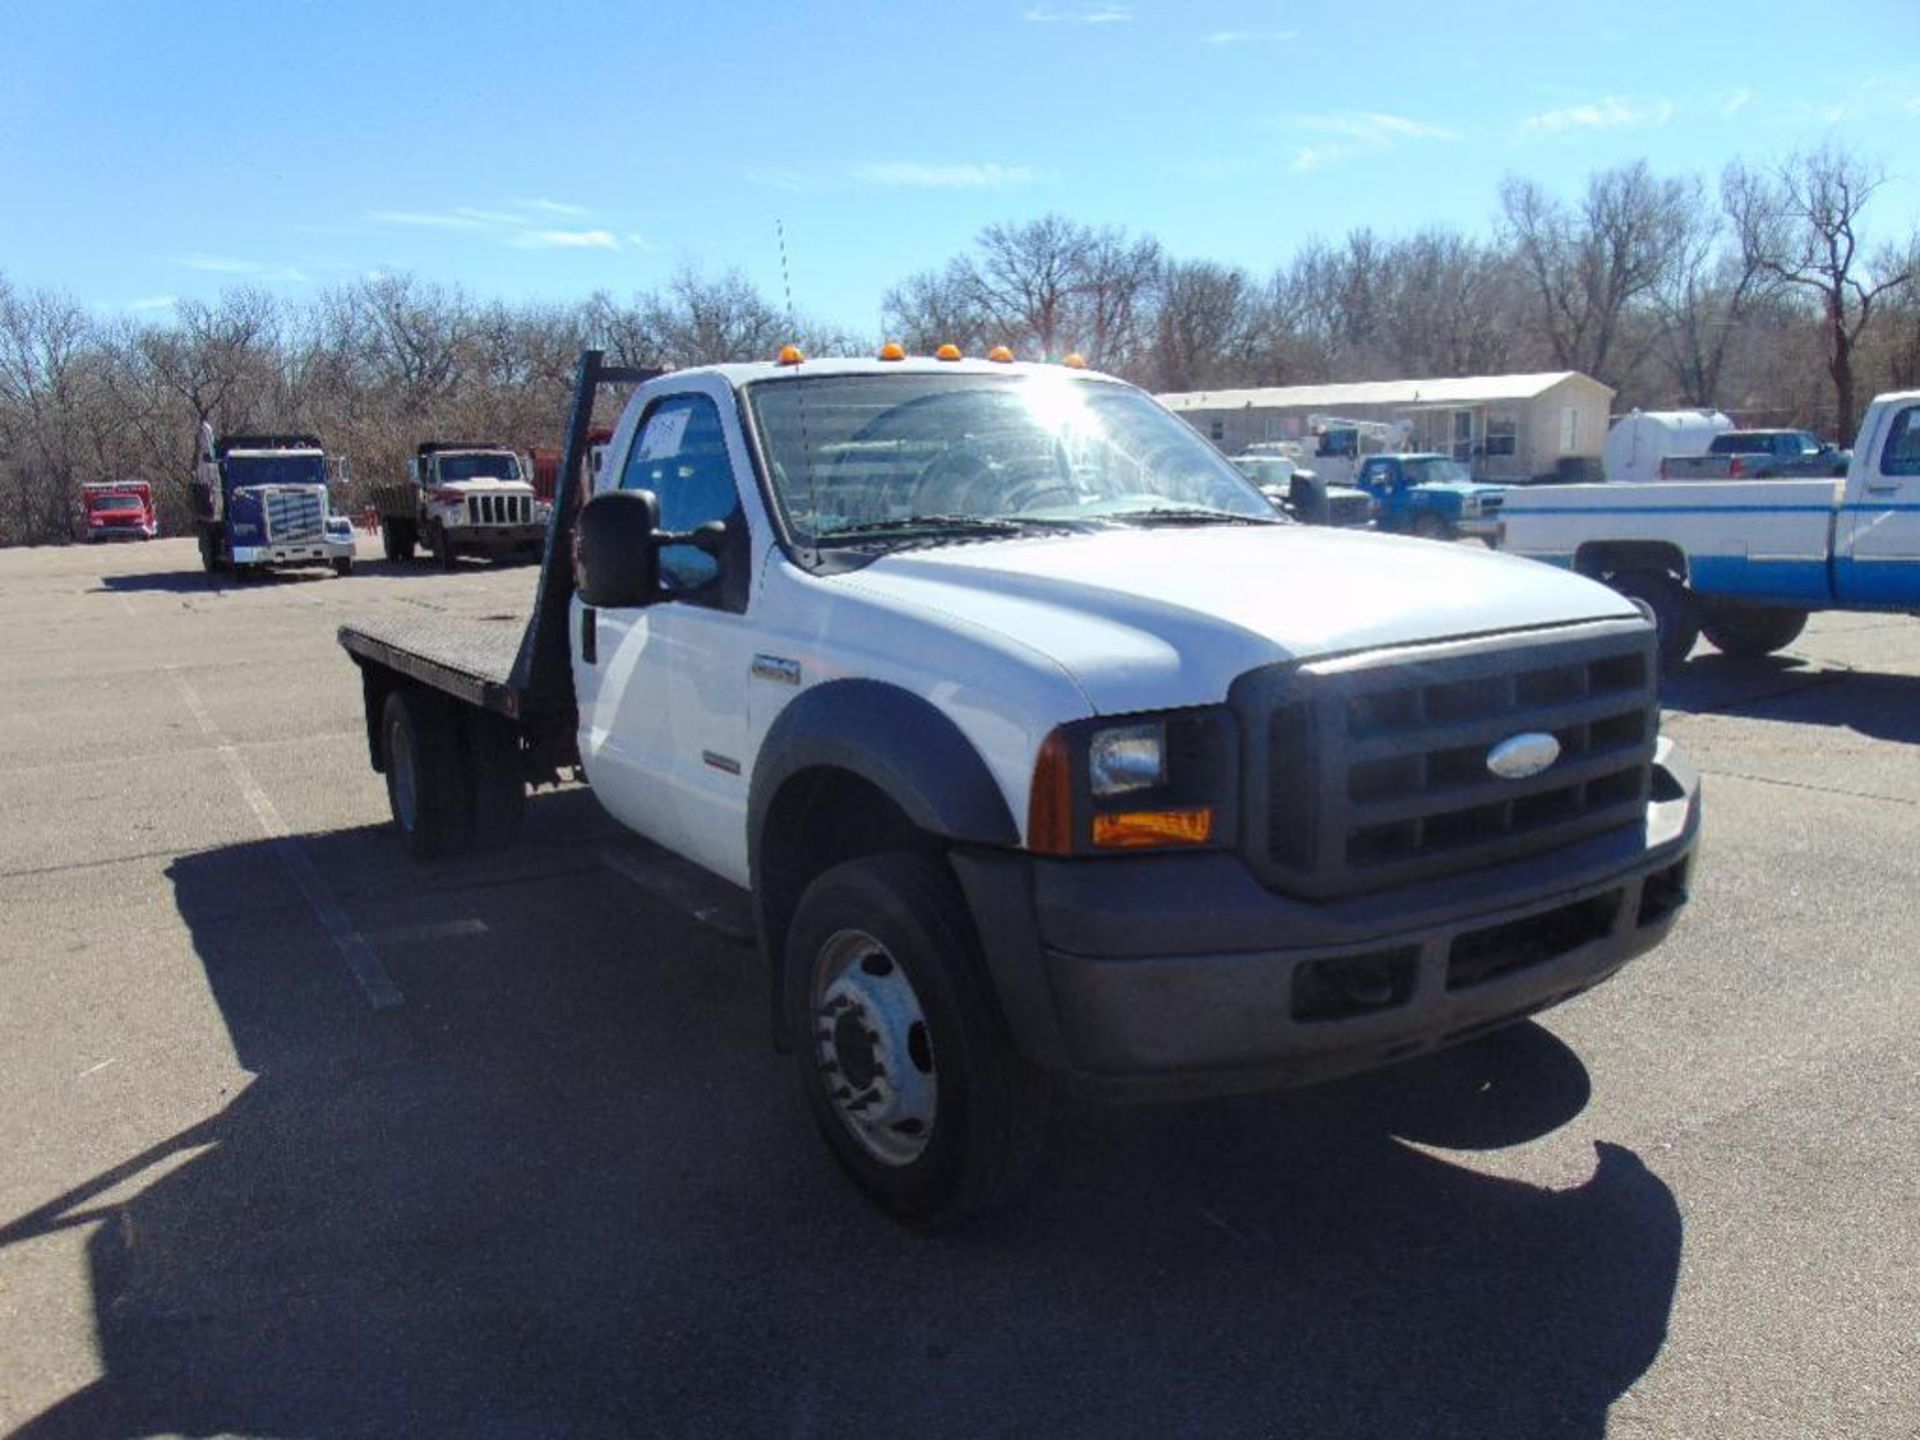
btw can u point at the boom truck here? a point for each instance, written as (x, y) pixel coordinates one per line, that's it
(1047, 755)
(262, 502)
(459, 498)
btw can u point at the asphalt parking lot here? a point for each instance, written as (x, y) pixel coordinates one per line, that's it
(564, 1187)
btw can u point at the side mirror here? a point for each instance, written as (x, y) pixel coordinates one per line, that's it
(616, 559)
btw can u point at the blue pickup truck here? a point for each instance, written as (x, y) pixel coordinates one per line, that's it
(1433, 496)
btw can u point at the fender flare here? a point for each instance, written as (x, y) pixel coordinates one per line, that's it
(902, 745)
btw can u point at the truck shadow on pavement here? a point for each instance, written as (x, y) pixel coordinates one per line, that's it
(1883, 705)
(566, 1188)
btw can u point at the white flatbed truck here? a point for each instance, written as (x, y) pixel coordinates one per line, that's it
(1047, 756)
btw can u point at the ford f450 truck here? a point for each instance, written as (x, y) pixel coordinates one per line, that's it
(261, 502)
(1047, 753)
(1745, 562)
(460, 498)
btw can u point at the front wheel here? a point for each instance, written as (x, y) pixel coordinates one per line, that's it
(900, 1051)
(1676, 619)
(1748, 633)
(1429, 526)
(441, 546)
(343, 566)
(209, 552)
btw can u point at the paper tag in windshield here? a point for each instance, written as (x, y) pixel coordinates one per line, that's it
(663, 434)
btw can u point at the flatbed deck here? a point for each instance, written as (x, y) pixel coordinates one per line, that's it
(472, 659)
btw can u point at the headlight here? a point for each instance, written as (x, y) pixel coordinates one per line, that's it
(1168, 782)
(1127, 757)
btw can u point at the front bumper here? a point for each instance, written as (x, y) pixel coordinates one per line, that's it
(1181, 975)
(1480, 527)
(494, 537)
(300, 552)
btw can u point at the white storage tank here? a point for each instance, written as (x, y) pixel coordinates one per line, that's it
(1637, 443)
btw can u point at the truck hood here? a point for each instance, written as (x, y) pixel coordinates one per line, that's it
(1151, 619)
(1460, 487)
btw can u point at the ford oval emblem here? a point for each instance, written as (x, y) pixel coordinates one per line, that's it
(1520, 756)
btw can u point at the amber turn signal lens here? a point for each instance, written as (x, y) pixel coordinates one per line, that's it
(1050, 803)
(947, 352)
(892, 351)
(1137, 829)
(790, 355)
(1075, 361)
(1000, 355)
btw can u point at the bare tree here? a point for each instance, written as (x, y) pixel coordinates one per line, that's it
(1205, 327)
(1801, 226)
(1588, 264)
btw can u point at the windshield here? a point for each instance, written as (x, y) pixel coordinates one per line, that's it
(116, 502)
(850, 454)
(1436, 472)
(1264, 469)
(479, 467)
(273, 470)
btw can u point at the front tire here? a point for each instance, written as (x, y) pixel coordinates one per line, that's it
(899, 1048)
(1429, 526)
(427, 788)
(209, 551)
(1748, 633)
(1675, 616)
(441, 546)
(343, 566)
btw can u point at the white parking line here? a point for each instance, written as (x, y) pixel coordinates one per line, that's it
(352, 946)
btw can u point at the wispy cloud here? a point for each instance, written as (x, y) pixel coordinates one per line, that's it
(1612, 112)
(1734, 103)
(1085, 15)
(945, 177)
(791, 181)
(154, 302)
(1351, 132)
(564, 240)
(1251, 37)
(521, 224)
(233, 265)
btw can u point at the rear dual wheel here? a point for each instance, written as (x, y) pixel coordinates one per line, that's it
(450, 786)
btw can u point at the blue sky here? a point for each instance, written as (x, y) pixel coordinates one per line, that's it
(154, 151)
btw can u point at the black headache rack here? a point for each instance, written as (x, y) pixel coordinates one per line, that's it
(442, 447)
(523, 673)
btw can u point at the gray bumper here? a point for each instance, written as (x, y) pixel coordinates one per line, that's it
(1180, 975)
(494, 537)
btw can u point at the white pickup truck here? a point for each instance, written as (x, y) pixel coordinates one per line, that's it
(1048, 755)
(1744, 562)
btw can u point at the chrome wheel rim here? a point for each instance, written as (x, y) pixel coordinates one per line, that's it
(873, 1048)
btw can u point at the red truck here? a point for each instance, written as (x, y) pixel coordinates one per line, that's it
(118, 510)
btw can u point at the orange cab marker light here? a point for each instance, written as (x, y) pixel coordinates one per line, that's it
(1050, 805)
(1000, 355)
(947, 352)
(892, 351)
(1135, 829)
(1075, 361)
(790, 355)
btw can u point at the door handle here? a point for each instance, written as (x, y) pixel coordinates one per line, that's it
(1888, 489)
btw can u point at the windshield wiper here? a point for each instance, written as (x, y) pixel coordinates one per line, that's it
(1188, 515)
(910, 525)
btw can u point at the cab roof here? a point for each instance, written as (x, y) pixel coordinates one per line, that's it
(751, 372)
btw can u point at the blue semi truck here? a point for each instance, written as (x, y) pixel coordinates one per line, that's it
(262, 502)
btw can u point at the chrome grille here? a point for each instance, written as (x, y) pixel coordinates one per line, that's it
(1375, 768)
(499, 509)
(293, 513)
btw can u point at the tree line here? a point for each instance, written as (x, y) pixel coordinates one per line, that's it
(1764, 296)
